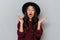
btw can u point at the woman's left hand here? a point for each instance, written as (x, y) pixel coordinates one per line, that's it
(40, 21)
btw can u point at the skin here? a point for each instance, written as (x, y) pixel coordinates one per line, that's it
(30, 10)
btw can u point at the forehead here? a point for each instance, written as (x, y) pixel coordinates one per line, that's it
(30, 7)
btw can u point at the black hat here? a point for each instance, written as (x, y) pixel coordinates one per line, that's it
(37, 8)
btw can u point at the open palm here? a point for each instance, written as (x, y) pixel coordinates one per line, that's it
(19, 19)
(42, 20)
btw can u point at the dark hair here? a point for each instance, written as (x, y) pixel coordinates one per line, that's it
(36, 7)
(26, 20)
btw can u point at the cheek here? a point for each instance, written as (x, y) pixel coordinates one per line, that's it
(28, 12)
(33, 13)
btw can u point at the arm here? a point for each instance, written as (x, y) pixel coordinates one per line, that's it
(39, 31)
(20, 33)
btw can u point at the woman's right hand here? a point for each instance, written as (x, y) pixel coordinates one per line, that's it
(21, 23)
(19, 19)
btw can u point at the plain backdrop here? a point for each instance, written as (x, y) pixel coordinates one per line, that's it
(8, 21)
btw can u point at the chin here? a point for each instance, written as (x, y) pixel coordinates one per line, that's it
(30, 17)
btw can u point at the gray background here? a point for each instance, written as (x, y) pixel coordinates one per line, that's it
(8, 21)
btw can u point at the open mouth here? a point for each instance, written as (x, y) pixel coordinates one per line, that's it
(30, 14)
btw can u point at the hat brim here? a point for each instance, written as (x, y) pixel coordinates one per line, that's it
(33, 4)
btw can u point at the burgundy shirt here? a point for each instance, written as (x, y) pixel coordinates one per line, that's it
(28, 35)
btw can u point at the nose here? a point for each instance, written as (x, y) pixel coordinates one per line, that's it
(30, 11)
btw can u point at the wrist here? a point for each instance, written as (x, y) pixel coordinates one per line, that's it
(38, 28)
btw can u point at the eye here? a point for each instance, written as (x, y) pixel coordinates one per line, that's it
(32, 10)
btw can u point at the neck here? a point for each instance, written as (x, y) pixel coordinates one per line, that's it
(30, 19)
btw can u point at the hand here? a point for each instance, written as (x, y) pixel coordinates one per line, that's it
(21, 23)
(19, 19)
(42, 20)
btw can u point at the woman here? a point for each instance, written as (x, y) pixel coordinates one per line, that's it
(30, 26)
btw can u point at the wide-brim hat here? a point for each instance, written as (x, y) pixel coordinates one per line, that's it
(37, 8)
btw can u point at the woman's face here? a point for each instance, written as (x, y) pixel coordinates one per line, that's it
(30, 11)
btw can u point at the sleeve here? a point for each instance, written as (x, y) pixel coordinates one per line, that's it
(20, 34)
(38, 33)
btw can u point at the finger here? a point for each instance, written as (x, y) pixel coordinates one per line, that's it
(18, 17)
(43, 19)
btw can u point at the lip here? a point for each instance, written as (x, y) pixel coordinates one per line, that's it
(30, 14)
